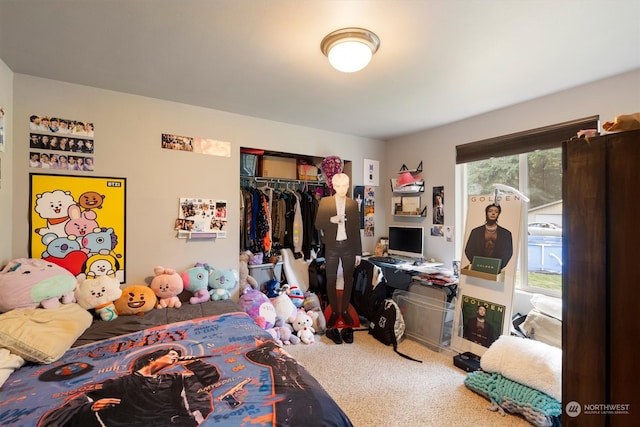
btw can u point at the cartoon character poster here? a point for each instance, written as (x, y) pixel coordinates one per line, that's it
(78, 222)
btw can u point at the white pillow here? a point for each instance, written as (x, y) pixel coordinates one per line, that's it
(532, 363)
(547, 305)
(43, 335)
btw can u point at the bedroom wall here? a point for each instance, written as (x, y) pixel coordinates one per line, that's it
(128, 132)
(437, 147)
(6, 179)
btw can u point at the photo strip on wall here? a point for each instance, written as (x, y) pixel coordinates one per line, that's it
(62, 144)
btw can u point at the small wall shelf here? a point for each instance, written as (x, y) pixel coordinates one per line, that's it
(183, 234)
(422, 213)
(407, 199)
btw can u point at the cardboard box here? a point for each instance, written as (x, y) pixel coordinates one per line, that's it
(467, 271)
(279, 167)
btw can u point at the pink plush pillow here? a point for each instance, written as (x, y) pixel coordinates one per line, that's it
(31, 282)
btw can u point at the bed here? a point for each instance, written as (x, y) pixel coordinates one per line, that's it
(202, 364)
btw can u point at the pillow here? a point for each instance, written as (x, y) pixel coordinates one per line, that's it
(532, 363)
(547, 305)
(8, 363)
(43, 335)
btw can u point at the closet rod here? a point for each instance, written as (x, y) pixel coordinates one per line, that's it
(258, 179)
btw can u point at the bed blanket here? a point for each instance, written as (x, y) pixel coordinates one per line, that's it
(219, 370)
(538, 408)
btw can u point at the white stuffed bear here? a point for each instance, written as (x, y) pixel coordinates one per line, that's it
(303, 328)
(99, 293)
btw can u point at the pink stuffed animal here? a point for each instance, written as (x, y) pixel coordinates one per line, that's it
(32, 282)
(167, 285)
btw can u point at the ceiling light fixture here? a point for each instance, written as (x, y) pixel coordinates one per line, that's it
(350, 49)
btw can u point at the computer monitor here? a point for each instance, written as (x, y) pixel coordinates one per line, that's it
(406, 241)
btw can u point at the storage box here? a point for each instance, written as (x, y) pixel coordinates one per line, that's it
(248, 164)
(428, 317)
(467, 271)
(279, 167)
(467, 361)
(307, 172)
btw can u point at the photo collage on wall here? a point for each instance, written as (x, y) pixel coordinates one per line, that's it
(62, 144)
(207, 146)
(198, 215)
(365, 196)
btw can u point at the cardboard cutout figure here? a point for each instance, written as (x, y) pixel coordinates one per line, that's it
(338, 218)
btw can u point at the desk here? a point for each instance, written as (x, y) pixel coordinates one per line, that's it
(401, 276)
(427, 307)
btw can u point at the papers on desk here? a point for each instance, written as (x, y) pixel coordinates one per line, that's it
(425, 267)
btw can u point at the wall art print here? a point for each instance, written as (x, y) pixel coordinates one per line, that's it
(61, 144)
(78, 222)
(482, 320)
(211, 147)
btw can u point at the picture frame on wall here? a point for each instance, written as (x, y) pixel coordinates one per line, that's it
(78, 222)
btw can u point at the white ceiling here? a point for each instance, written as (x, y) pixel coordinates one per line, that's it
(439, 61)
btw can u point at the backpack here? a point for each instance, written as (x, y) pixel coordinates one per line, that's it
(369, 289)
(387, 326)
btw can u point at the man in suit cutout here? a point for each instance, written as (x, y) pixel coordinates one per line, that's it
(338, 218)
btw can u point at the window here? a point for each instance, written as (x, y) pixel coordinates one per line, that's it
(531, 162)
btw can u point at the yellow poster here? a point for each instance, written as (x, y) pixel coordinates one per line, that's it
(78, 222)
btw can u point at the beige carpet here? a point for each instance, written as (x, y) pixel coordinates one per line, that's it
(377, 387)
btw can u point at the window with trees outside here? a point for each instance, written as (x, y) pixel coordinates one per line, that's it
(531, 162)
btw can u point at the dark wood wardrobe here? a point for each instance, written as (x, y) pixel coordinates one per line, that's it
(601, 288)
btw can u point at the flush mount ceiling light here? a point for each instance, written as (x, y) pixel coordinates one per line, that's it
(350, 49)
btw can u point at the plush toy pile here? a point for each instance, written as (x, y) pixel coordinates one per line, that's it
(276, 308)
(288, 314)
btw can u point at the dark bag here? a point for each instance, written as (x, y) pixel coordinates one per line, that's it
(388, 326)
(318, 276)
(367, 296)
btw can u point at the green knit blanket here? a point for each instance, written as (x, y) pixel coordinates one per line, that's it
(537, 407)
